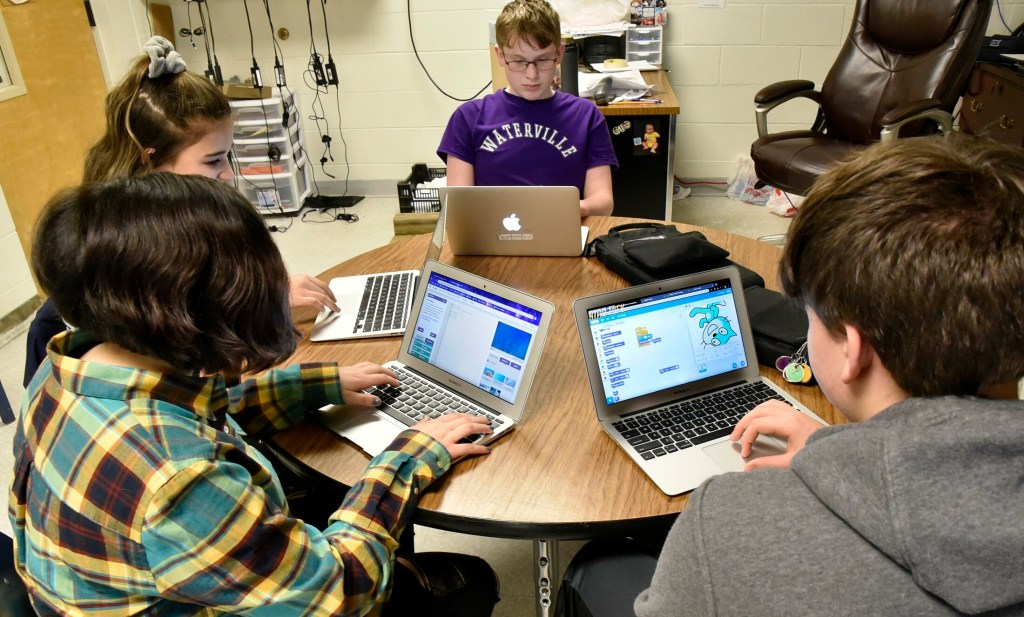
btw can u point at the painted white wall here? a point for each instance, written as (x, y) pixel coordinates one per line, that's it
(121, 29)
(392, 116)
(16, 286)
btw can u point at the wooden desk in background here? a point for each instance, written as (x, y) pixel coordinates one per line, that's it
(993, 105)
(644, 182)
(557, 475)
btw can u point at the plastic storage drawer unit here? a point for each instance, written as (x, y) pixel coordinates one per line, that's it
(644, 43)
(277, 193)
(271, 166)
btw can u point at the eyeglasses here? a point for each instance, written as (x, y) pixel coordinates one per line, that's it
(542, 64)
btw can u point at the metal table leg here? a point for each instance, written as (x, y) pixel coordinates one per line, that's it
(545, 569)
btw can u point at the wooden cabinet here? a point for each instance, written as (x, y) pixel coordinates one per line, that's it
(993, 105)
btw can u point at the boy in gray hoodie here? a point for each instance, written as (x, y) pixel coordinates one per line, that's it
(909, 260)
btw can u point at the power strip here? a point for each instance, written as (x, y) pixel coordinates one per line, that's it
(324, 202)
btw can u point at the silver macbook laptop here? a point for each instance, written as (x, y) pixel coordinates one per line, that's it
(515, 220)
(672, 369)
(373, 304)
(473, 346)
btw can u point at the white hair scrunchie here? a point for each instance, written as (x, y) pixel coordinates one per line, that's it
(163, 60)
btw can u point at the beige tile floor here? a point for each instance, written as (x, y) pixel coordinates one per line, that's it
(313, 247)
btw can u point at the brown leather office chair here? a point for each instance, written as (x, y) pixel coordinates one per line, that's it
(900, 72)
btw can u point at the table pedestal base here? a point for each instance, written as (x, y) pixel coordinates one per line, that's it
(545, 571)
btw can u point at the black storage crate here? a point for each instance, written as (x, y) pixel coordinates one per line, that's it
(412, 199)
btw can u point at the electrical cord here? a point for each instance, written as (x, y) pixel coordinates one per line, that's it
(348, 168)
(191, 32)
(314, 71)
(330, 68)
(206, 39)
(315, 59)
(999, 10)
(412, 39)
(257, 77)
(211, 74)
(331, 216)
(270, 22)
(273, 152)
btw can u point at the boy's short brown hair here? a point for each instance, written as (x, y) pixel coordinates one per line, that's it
(919, 244)
(179, 268)
(531, 20)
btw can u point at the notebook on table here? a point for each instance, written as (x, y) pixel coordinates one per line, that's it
(515, 220)
(373, 304)
(672, 369)
(473, 346)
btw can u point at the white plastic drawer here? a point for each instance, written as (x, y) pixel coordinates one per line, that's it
(258, 130)
(654, 57)
(254, 110)
(264, 166)
(644, 45)
(277, 193)
(258, 149)
(259, 146)
(634, 35)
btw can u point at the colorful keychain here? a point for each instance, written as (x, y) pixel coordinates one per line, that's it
(795, 368)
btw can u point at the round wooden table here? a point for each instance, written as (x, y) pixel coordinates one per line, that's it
(557, 475)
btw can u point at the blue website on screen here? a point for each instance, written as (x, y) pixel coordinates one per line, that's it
(476, 335)
(661, 341)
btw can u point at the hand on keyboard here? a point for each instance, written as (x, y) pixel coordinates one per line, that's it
(362, 376)
(451, 429)
(778, 419)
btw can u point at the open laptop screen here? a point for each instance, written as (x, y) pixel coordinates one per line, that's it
(664, 340)
(475, 335)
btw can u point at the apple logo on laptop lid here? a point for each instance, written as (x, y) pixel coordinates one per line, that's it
(511, 222)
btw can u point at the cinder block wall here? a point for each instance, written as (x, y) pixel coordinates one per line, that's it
(392, 116)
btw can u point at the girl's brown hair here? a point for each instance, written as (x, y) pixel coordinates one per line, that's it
(150, 120)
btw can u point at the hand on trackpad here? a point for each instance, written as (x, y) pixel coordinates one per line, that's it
(727, 453)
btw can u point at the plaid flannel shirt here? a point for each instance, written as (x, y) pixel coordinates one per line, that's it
(133, 494)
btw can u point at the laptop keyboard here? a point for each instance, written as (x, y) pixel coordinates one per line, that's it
(384, 305)
(694, 421)
(417, 399)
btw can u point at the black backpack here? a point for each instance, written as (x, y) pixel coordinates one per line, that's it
(647, 252)
(993, 47)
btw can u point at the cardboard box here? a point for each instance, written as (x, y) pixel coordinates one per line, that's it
(246, 91)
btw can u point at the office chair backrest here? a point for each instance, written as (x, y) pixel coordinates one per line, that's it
(899, 51)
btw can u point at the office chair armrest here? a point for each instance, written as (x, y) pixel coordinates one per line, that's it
(781, 90)
(925, 109)
(771, 96)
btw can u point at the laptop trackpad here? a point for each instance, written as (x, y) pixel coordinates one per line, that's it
(727, 453)
(370, 429)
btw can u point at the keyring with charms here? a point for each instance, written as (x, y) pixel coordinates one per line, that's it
(795, 368)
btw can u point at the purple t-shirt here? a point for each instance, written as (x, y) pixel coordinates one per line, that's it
(511, 141)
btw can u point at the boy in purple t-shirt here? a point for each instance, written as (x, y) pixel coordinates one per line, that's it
(530, 133)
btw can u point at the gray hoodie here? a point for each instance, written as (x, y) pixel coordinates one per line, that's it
(917, 511)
